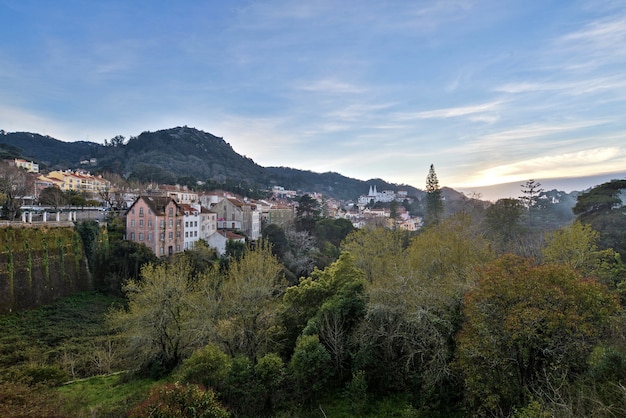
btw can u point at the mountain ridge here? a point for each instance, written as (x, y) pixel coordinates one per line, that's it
(184, 153)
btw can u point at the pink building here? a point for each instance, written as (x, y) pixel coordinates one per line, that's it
(156, 222)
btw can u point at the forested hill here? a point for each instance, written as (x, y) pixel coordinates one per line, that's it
(184, 155)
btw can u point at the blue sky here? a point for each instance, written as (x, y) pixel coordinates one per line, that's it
(487, 91)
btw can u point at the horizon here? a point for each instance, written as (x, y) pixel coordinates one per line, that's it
(488, 93)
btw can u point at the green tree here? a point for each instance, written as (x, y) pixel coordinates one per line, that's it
(249, 294)
(528, 328)
(405, 340)
(160, 323)
(502, 220)
(307, 213)
(602, 207)
(311, 367)
(434, 199)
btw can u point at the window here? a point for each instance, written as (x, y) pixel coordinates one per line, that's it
(132, 211)
(132, 236)
(162, 223)
(195, 234)
(149, 223)
(178, 247)
(171, 211)
(141, 223)
(132, 223)
(177, 234)
(162, 250)
(162, 236)
(171, 236)
(140, 211)
(149, 237)
(149, 211)
(178, 223)
(195, 224)
(141, 236)
(186, 224)
(186, 234)
(171, 223)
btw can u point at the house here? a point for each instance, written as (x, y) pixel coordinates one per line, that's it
(30, 166)
(208, 223)
(219, 239)
(157, 222)
(181, 194)
(80, 181)
(191, 222)
(235, 214)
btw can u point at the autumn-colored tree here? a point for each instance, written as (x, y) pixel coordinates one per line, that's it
(528, 328)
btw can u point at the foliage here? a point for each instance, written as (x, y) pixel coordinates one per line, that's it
(310, 366)
(406, 338)
(180, 400)
(602, 207)
(528, 328)
(330, 303)
(434, 199)
(159, 325)
(15, 183)
(249, 294)
(55, 340)
(52, 196)
(503, 220)
(307, 214)
(208, 366)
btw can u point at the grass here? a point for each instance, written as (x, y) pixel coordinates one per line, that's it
(103, 396)
(64, 334)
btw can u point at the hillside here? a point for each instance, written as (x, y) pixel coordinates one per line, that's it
(49, 151)
(185, 154)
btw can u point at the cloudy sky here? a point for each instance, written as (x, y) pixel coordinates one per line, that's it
(487, 91)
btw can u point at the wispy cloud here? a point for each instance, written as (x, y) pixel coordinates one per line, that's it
(330, 86)
(451, 112)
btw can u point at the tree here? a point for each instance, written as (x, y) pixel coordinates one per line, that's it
(530, 193)
(307, 213)
(160, 324)
(530, 196)
(527, 329)
(52, 196)
(405, 340)
(434, 199)
(603, 208)
(249, 294)
(503, 221)
(15, 182)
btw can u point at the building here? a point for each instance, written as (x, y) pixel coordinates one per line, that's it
(221, 237)
(237, 215)
(29, 166)
(156, 222)
(192, 224)
(80, 181)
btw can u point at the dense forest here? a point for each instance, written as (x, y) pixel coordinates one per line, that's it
(483, 312)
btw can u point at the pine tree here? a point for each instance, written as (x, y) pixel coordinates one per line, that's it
(434, 199)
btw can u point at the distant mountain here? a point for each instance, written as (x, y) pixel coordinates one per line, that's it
(514, 189)
(49, 151)
(188, 154)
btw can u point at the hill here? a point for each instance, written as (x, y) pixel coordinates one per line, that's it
(185, 155)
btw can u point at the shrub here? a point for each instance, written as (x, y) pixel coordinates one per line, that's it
(180, 400)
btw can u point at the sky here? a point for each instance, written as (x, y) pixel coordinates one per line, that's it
(488, 91)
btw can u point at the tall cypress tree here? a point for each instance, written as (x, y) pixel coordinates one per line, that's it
(434, 199)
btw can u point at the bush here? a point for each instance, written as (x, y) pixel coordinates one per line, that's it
(208, 366)
(180, 400)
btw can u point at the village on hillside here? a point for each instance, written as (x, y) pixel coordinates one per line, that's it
(170, 219)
